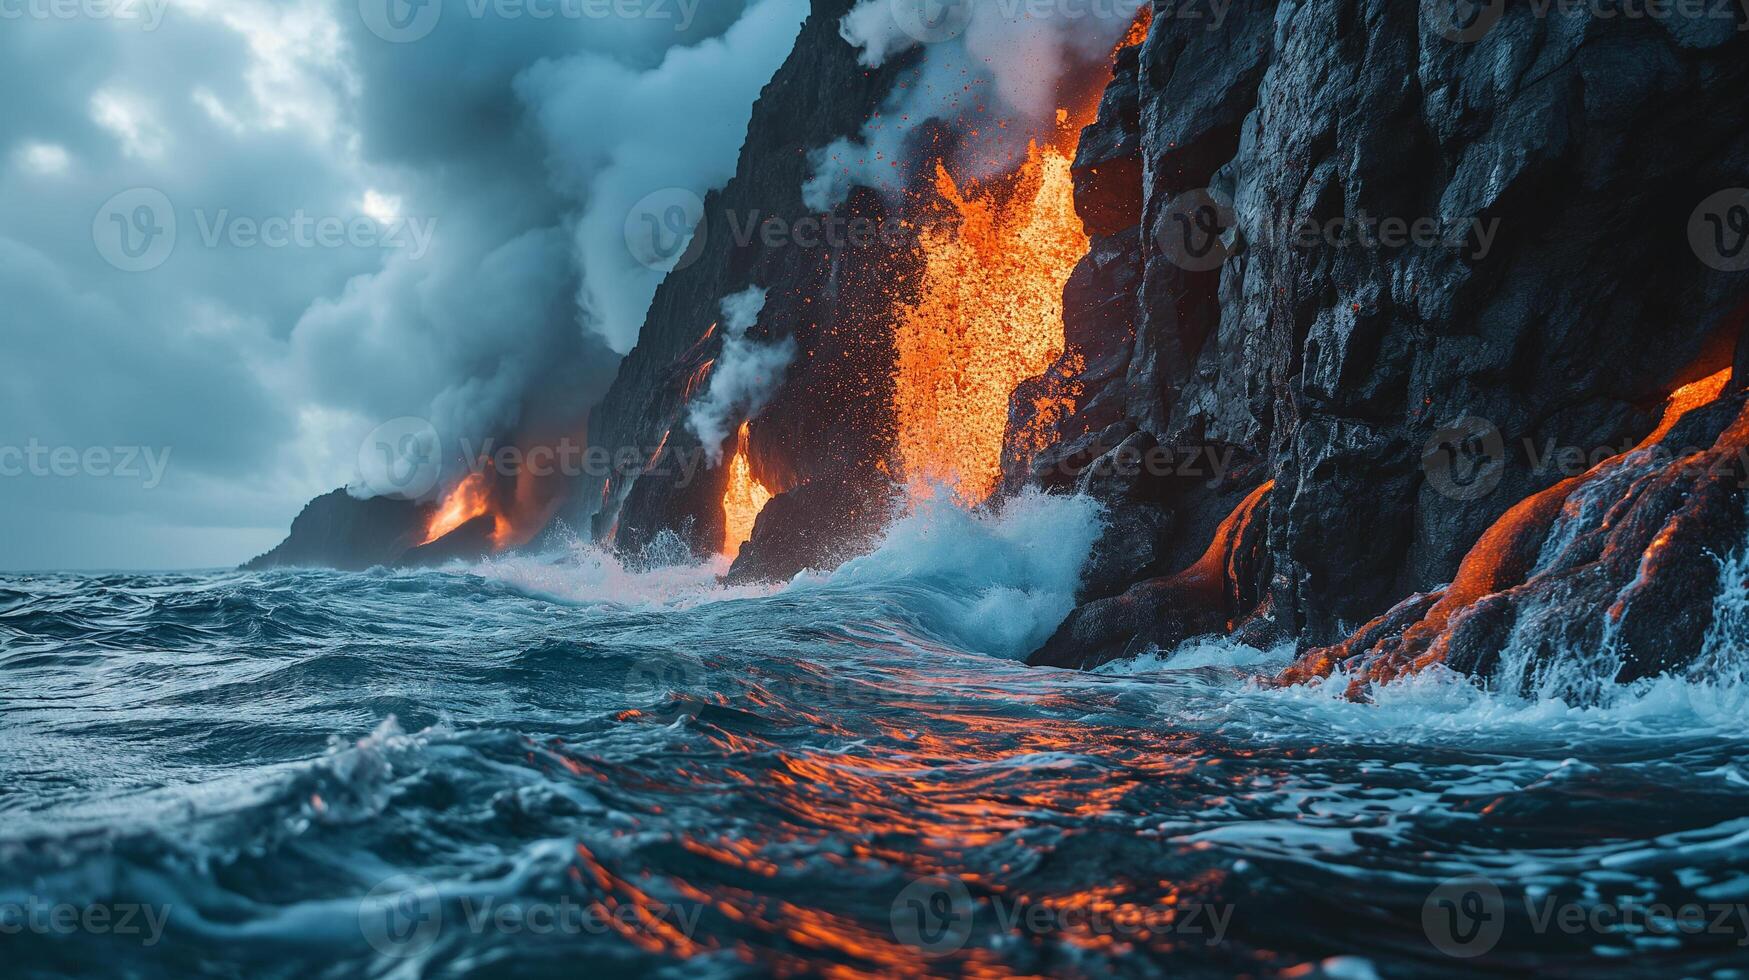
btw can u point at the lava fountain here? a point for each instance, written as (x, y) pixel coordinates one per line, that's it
(989, 312)
(989, 315)
(995, 258)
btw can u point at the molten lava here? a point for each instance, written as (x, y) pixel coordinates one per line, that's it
(989, 315)
(1504, 557)
(1684, 400)
(1139, 28)
(744, 498)
(471, 499)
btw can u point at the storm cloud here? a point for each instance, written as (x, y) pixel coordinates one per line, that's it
(205, 242)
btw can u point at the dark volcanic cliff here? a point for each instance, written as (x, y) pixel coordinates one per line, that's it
(1557, 298)
(832, 292)
(1374, 308)
(341, 531)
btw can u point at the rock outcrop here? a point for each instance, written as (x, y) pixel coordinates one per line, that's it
(1374, 309)
(831, 287)
(338, 530)
(1555, 165)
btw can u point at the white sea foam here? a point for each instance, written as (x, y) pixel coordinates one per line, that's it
(1000, 582)
(1200, 652)
(993, 582)
(1573, 695)
(1434, 706)
(580, 572)
(1438, 705)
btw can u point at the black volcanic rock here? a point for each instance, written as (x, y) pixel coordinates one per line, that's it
(1499, 231)
(1108, 162)
(1560, 160)
(677, 492)
(834, 298)
(1099, 310)
(468, 543)
(1162, 506)
(1197, 87)
(1607, 577)
(1216, 593)
(340, 531)
(1589, 141)
(819, 525)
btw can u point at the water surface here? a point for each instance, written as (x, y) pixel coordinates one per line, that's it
(549, 765)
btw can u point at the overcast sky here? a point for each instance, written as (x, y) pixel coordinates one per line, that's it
(237, 235)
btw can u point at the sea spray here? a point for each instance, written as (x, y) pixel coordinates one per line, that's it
(995, 582)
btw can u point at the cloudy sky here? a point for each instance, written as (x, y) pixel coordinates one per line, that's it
(237, 235)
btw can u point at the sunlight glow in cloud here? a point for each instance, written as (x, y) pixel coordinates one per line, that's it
(43, 159)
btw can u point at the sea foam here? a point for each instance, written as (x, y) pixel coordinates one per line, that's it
(994, 582)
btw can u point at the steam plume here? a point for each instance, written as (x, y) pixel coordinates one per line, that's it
(745, 375)
(991, 69)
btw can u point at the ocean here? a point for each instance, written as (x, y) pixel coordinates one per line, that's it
(560, 764)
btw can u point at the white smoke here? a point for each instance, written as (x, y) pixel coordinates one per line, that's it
(618, 135)
(516, 316)
(991, 69)
(746, 374)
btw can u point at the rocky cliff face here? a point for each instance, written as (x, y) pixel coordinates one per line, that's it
(1375, 306)
(340, 531)
(830, 289)
(1555, 167)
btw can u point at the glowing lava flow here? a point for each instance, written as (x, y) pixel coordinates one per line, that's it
(1490, 565)
(1138, 31)
(744, 498)
(1502, 558)
(471, 499)
(990, 315)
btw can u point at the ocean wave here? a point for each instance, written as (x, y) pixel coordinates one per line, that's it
(993, 582)
(280, 759)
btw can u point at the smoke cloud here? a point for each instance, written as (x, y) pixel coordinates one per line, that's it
(517, 325)
(991, 69)
(518, 141)
(745, 375)
(618, 135)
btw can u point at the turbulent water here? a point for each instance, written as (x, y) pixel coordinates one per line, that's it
(558, 766)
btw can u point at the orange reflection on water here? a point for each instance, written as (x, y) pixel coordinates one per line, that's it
(925, 785)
